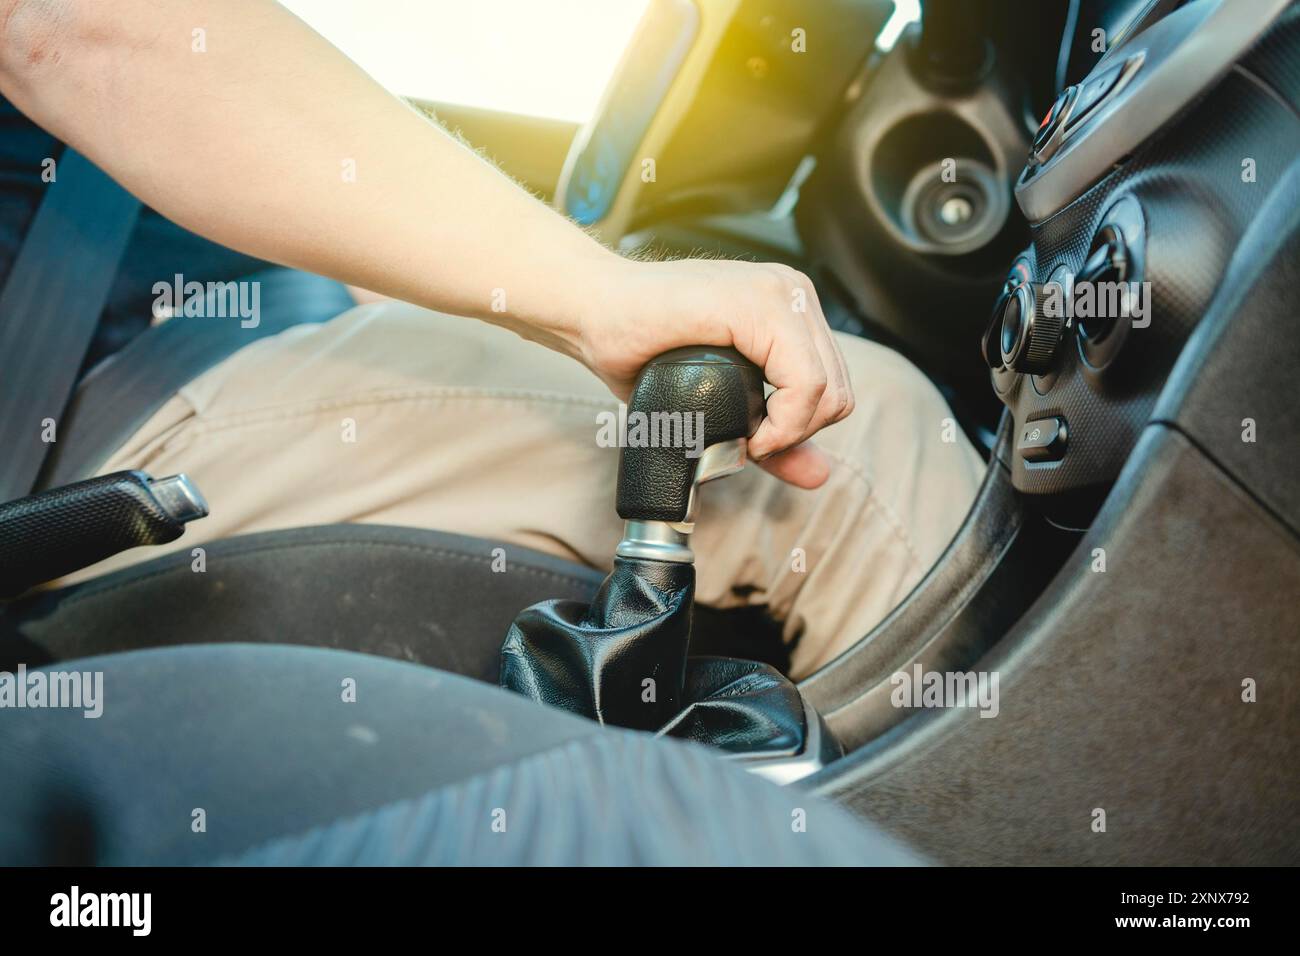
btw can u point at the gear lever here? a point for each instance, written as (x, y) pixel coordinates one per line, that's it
(721, 392)
(623, 659)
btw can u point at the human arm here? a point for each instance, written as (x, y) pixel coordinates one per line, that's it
(270, 141)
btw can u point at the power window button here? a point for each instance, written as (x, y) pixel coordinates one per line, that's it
(1050, 131)
(1093, 92)
(1042, 440)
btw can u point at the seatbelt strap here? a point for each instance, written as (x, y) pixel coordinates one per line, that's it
(50, 307)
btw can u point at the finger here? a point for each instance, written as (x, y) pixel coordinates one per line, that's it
(845, 377)
(804, 466)
(794, 367)
(848, 380)
(838, 400)
(835, 399)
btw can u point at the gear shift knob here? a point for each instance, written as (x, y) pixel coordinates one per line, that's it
(691, 414)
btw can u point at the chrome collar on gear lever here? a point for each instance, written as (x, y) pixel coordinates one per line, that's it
(669, 540)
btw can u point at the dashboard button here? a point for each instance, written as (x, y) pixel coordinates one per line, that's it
(1092, 92)
(1043, 439)
(1020, 272)
(1052, 128)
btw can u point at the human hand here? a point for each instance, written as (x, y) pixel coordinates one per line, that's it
(769, 312)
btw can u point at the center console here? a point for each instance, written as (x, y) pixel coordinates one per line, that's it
(1125, 569)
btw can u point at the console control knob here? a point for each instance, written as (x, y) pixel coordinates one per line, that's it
(1031, 329)
(990, 346)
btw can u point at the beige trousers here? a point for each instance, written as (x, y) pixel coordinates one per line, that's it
(392, 414)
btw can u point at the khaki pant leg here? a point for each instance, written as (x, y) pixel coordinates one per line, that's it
(391, 414)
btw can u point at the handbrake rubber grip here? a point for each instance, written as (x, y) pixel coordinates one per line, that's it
(47, 535)
(720, 389)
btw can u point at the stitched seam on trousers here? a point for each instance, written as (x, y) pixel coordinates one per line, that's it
(291, 410)
(371, 546)
(891, 517)
(201, 425)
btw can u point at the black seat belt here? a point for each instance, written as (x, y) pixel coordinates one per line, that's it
(50, 307)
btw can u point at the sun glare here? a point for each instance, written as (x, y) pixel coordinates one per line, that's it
(538, 57)
(906, 12)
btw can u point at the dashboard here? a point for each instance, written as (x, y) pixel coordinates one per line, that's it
(1140, 182)
(1113, 21)
(1161, 148)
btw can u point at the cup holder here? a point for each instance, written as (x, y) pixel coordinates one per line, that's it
(934, 181)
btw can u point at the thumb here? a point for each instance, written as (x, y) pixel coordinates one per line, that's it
(804, 466)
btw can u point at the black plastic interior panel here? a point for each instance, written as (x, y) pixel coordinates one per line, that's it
(1151, 80)
(1274, 59)
(1195, 206)
(354, 587)
(1122, 686)
(1234, 390)
(1121, 691)
(759, 104)
(1119, 19)
(1000, 560)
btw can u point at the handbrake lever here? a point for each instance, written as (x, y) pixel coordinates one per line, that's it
(47, 535)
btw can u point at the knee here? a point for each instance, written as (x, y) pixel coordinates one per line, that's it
(889, 388)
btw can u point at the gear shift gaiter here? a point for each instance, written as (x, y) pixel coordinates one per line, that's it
(620, 660)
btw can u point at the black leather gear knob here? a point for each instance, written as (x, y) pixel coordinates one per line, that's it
(695, 397)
